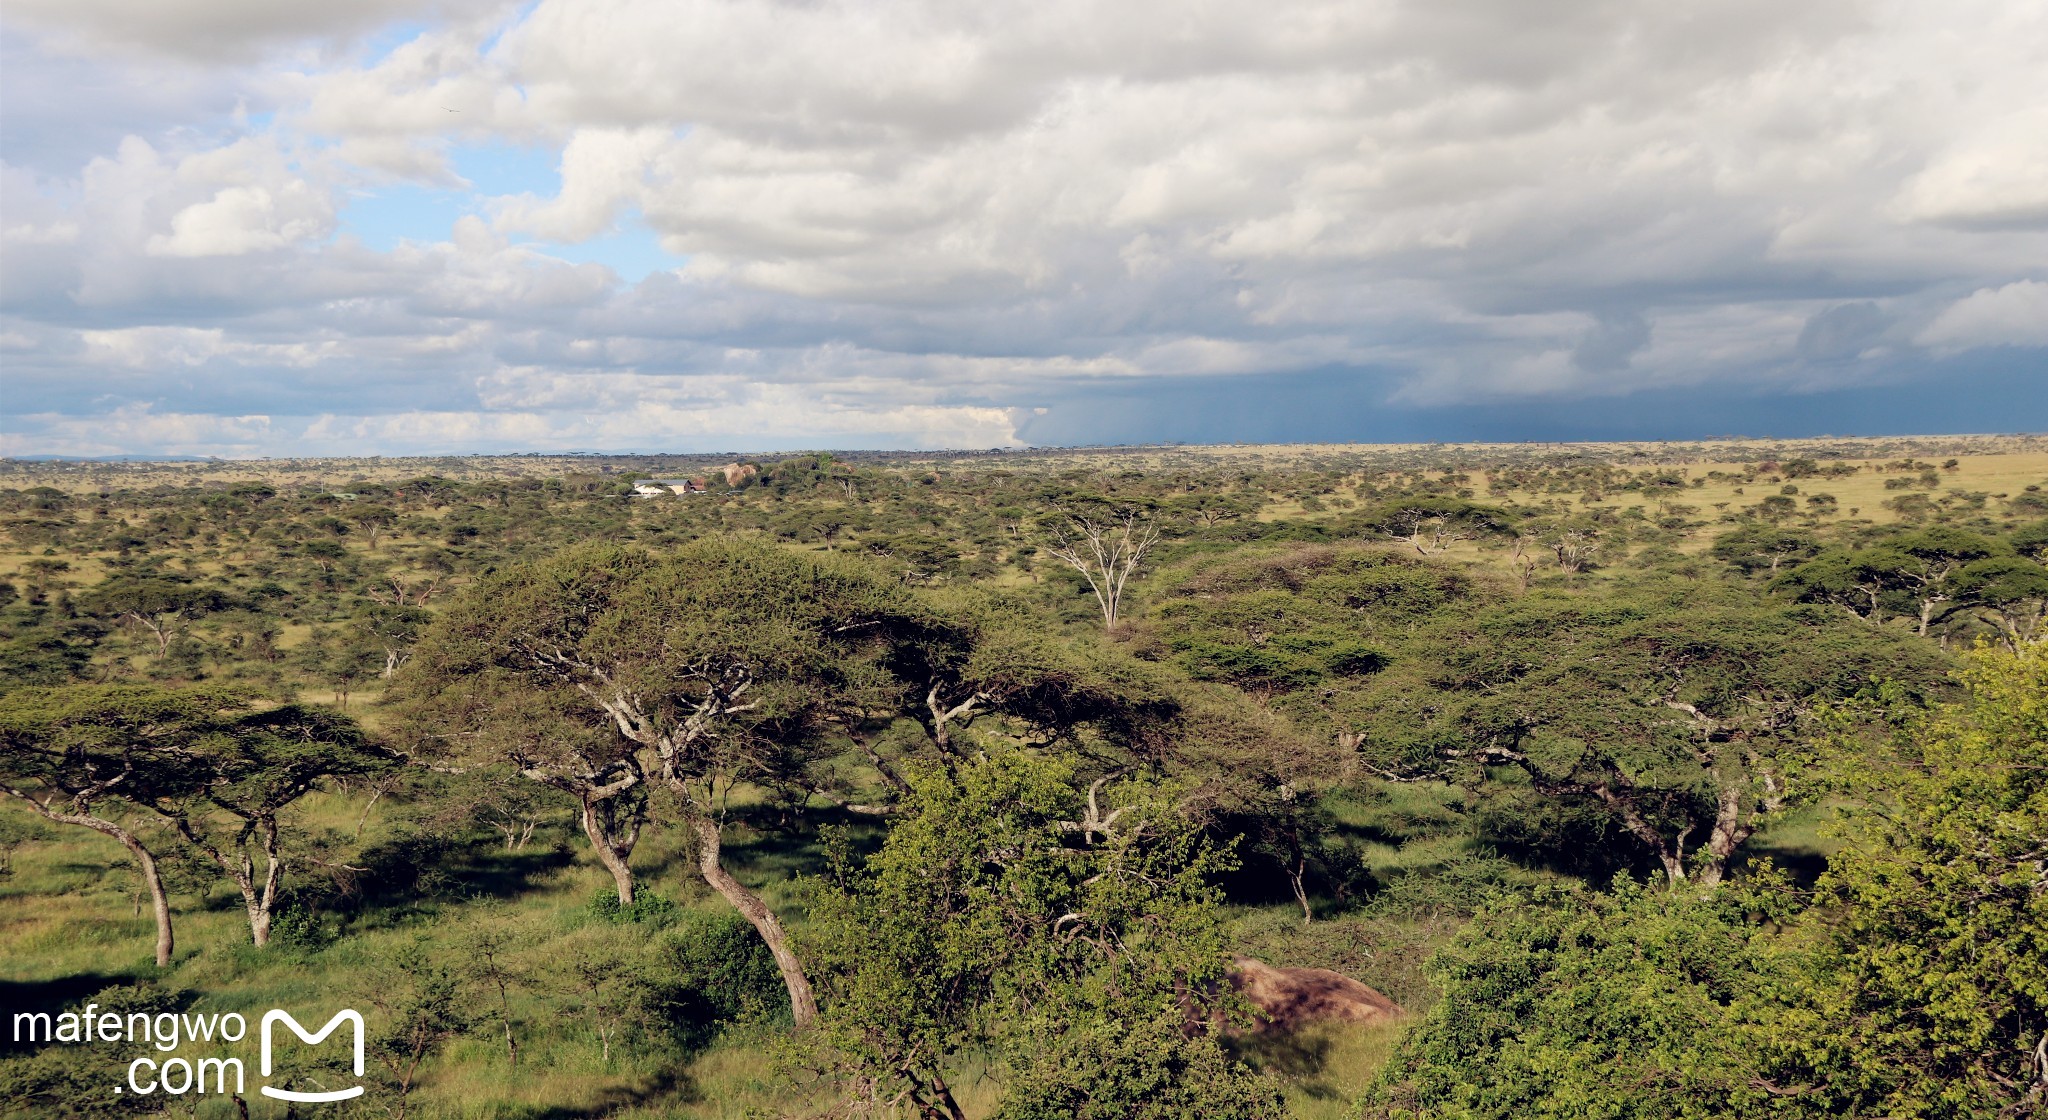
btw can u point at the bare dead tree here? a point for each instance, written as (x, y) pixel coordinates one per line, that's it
(1523, 564)
(1106, 552)
(1575, 548)
(402, 592)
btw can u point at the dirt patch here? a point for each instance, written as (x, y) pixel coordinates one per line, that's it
(1291, 998)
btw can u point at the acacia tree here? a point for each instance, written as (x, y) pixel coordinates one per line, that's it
(1755, 548)
(1918, 574)
(75, 755)
(252, 768)
(1925, 568)
(459, 707)
(1209, 508)
(1853, 580)
(1674, 711)
(161, 607)
(1912, 981)
(723, 662)
(971, 655)
(2011, 592)
(1432, 524)
(394, 627)
(372, 520)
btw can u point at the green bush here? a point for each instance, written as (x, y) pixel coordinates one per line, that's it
(648, 907)
(1583, 1003)
(715, 972)
(296, 925)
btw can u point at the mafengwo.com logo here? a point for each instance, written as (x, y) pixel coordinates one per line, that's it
(161, 1070)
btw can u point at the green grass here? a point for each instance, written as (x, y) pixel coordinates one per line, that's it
(1325, 1068)
(70, 926)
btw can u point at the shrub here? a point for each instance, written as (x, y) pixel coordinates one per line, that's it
(721, 974)
(1586, 1004)
(648, 907)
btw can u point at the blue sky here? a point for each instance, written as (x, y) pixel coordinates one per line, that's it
(384, 214)
(397, 227)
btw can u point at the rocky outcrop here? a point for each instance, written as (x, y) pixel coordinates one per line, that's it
(1288, 999)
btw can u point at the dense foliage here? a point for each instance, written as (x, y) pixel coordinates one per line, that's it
(1909, 984)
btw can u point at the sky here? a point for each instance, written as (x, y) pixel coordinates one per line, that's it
(301, 227)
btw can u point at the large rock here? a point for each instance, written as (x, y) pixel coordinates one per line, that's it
(1291, 998)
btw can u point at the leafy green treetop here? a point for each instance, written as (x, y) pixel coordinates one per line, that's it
(1071, 937)
(1674, 710)
(1926, 992)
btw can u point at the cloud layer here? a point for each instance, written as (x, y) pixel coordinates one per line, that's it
(939, 224)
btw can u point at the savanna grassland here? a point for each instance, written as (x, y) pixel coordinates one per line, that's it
(1648, 779)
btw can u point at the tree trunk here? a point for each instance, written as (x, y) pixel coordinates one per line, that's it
(933, 1097)
(1296, 873)
(1728, 835)
(803, 1006)
(614, 861)
(1671, 855)
(942, 1106)
(273, 874)
(158, 901)
(256, 904)
(882, 766)
(242, 870)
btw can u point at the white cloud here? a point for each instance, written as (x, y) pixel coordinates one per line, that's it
(136, 427)
(911, 219)
(1996, 177)
(2013, 315)
(238, 220)
(215, 30)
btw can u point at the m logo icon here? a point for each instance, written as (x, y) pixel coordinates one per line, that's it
(314, 1039)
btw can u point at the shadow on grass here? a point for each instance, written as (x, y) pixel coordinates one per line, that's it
(1295, 1056)
(422, 866)
(1802, 863)
(667, 1087)
(63, 993)
(503, 875)
(763, 848)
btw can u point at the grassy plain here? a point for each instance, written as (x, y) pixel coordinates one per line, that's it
(72, 920)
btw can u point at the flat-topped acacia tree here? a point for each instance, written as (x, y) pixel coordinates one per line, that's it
(719, 663)
(80, 755)
(250, 769)
(977, 655)
(1674, 709)
(215, 770)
